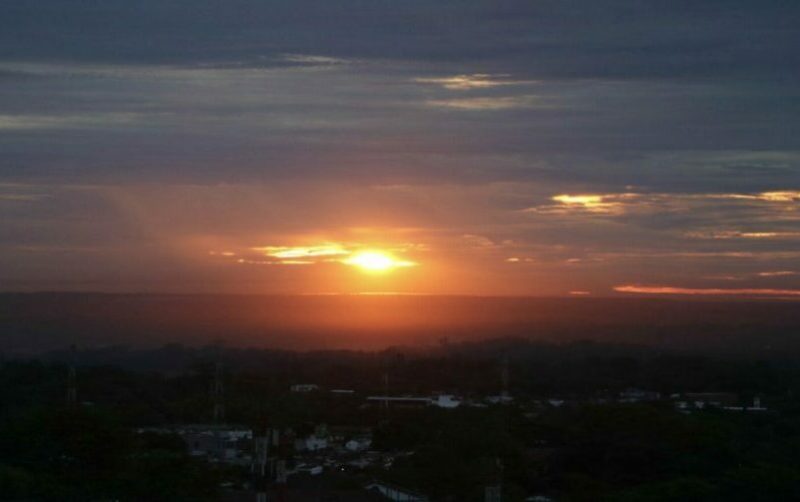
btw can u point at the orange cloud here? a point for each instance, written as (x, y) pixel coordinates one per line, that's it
(347, 254)
(671, 290)
(302, 251)
(618, 203)
(736, 234)
(777, 273)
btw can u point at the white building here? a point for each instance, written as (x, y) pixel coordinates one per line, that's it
(358, 444)
(446, 401)
(499, 399)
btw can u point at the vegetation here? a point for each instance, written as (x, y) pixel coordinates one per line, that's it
(591, 448)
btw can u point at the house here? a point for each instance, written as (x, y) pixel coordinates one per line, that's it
(399, 401)
(755, 408)
(310, 443)
(633, 395)
(218, 443)
(358, 444)
(313, 470)
(396, 493)
(702, 400)
(304, 387)
(499, 399)
(314, 442)
(446, 401)
(440, 400)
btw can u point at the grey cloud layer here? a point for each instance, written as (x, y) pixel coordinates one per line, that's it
(548, 38)
(447, 114)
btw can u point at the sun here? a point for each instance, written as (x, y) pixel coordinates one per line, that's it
(376, 261)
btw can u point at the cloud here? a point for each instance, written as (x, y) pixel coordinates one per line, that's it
(473, 81)
(738, 234)
(353, 253)
(592, 141)
(10, 197)
(781, 205)
(302, 251)
(584, 39)
(778, 273)
(489, 103)
(312, 60)
(89, 121)
(671, 290)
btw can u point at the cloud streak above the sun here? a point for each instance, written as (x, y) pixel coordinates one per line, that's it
(353, 254)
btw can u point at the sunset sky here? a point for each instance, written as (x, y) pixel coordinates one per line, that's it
(535, 147)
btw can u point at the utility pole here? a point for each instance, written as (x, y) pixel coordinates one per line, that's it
(218, 396)
(260, 459)
(494, 493)
(218, 393)
(72, 380)
(386, 389)
(504, 378)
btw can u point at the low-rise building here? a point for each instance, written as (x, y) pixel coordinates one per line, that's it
(217, 443)
(634, 395)
(395, 493)
(358, 444)
(304, 387)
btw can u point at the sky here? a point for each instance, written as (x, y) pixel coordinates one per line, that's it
(539, 147)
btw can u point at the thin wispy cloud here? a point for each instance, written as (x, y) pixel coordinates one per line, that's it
(489, 103)
(473, 81)
(672, 290)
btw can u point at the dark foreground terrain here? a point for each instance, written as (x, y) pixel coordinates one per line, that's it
(569, 421)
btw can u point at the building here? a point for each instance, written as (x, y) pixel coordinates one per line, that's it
(446, 401)
(396, 493)
(304, 387)
(311, 443)
(756, 407)
(400, 401)
(633, 395)
(316, 441)
(441, 400)
(358, 444)
(499, 399)
(702, 400)
(216, 443)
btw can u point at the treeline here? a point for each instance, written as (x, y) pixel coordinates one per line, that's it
(639, 452)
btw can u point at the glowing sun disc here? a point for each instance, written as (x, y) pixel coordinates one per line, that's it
(375, 261)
